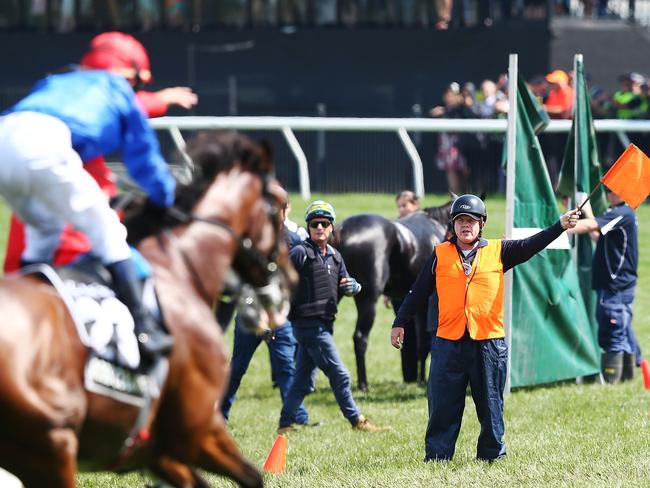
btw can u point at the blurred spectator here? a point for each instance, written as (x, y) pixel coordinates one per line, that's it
(174, 12)
(407, 202)
(493, 101)
(630, 102)
(602, 8)
(443, 11)
(325, 12)
(489, 174)
(502, 83)
(536, 9)
(450, 157)
(560, 96)
(562, 7)
(472, 145)
(149, 11)
(539, 87)
(416, 12)
(469, 93)
(263, 12)
(559, 104)
(292, 12)
(66, 18)
(601, 106)
(587, 8)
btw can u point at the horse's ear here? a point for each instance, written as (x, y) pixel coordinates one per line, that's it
(267, 156)
(483, 195)
(453, 195)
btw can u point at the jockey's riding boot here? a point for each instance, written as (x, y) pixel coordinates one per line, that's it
(152, 339)
(24, 263)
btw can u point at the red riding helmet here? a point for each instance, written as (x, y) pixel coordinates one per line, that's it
(119, 52)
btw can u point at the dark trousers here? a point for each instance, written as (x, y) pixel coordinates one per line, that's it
(614, 315)
(282, 348)
(316, 349)
(454, 364)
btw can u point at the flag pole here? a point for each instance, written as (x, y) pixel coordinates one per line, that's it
(576, 149)
(513, 77)
(590, 195)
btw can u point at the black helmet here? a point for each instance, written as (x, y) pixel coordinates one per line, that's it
(468, 205)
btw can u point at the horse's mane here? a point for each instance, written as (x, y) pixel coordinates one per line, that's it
(211, 154)
(439, 214)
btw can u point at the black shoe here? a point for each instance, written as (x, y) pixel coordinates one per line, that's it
(491, 460)
(436, 459)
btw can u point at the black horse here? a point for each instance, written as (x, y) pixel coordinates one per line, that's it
(385, 256)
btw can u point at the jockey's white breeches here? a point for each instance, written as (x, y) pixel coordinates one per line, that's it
(43, 180)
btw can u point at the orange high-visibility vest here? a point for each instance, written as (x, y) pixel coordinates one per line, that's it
(475, 301)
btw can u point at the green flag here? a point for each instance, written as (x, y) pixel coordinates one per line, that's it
(580, 173)
(581, 170)
(551, 334)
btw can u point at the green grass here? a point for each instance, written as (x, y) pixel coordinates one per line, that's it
(559, 435)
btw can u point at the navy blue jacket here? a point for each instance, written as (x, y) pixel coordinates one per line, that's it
(617, 253)
(325, 272)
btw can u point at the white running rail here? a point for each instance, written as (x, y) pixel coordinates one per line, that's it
(400, 126)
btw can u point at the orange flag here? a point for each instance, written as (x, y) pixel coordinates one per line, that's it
(629, 177)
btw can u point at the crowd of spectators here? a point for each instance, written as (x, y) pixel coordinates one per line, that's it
(68, 15)
(472, 161)
(195, 15)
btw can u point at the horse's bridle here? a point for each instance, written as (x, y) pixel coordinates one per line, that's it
(245, 250)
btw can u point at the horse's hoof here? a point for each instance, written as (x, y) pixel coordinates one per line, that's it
(363, 387)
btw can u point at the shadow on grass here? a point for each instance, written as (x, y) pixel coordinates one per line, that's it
(584, 380)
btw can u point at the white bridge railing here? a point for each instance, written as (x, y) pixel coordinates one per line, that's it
(400, 126)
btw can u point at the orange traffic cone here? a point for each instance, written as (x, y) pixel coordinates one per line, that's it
(277, 458)
(645, 369)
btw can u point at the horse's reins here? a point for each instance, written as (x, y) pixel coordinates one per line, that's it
(244, 244)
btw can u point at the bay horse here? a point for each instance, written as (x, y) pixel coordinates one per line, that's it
(50, 426)
(385, 256)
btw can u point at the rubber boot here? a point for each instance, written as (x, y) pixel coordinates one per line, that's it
(629, 363)
(152, 339)
(611, 366)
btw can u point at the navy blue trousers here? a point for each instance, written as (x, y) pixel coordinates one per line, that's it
(454, 364)
(282, 349)
(316, 349)
(614, 315)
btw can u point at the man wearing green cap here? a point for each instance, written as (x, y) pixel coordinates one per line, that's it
(323, 278)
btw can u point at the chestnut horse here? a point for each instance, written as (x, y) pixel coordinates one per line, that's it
(50, 426)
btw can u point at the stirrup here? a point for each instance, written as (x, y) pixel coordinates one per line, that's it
(155, 344)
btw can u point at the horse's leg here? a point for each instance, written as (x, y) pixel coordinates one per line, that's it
(53, 467)
(366, 312)
(408, 353)
(176, 473)
(199, 481)
(219, 454)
